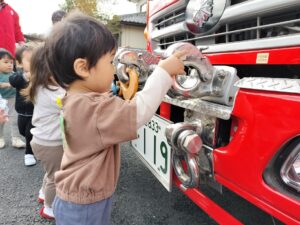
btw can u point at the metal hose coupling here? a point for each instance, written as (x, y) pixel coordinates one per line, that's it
(185, 142)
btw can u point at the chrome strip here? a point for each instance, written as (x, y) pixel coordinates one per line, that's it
(238, 12)
(273, 42)
(240, 30)
(252, 9)
(270, 84)
(204, 107)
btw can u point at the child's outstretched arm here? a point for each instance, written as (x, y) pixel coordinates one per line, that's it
(5, 85)
(17, 80)
(156, 87)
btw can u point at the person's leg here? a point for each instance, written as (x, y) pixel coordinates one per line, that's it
(14, 130)
(51, 164)
(2, 141)
(12, 116)
(68, 213)
(24, 125)
(41, 197)
(102, 208)
(21, 124)
(28, 135)
(50, 157)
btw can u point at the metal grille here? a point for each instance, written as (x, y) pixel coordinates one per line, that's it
(281, 22)
(170, 19)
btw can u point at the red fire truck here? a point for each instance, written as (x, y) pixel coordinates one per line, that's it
(232, 120)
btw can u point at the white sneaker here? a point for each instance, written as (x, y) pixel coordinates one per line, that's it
(41, 197)
(47, 213)
(29, 160)
(17, 142)
(2, 143)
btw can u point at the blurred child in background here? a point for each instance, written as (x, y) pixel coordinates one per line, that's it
(47, 141)
(24, 108)
(57, 16)
(9, 93)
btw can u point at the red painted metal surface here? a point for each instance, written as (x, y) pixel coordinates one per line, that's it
(165, 110)
(209, 206)
(157, 5)
(265, 122)
(279, 56)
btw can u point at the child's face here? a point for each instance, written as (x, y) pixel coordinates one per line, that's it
(102, 74)
(26, 57)
(6, 65)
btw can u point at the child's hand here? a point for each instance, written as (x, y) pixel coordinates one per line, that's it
(3, 116)
(173, 64)
(5, 85)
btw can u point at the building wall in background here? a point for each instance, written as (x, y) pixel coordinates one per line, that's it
(132, 36)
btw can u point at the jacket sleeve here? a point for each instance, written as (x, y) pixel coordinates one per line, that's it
(116, 120)
(149, 99)
(16, 80)
(18, 33)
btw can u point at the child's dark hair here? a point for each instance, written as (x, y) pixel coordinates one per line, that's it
(77, 36)
(5, 53)
(20, 50)
(58, 16)
(40, 75)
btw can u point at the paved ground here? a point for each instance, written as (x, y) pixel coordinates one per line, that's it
(139, 200)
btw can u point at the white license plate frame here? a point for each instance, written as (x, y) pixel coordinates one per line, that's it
(152, 148)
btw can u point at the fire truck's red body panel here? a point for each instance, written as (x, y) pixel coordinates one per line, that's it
(263, 122)
(246, 153)
(239, 164)
(287, 56)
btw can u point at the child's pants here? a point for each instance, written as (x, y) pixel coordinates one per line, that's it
(68, 213)
(12, 116)
(25, 125)
(50, 157)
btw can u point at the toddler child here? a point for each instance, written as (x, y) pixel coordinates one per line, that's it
(46, 141)
(20, 80)
(80, 52)
(9, 93)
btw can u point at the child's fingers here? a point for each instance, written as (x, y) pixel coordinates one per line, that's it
(182, 71)
(180, 54)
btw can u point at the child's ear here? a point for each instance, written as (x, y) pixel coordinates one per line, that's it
(81, 67)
